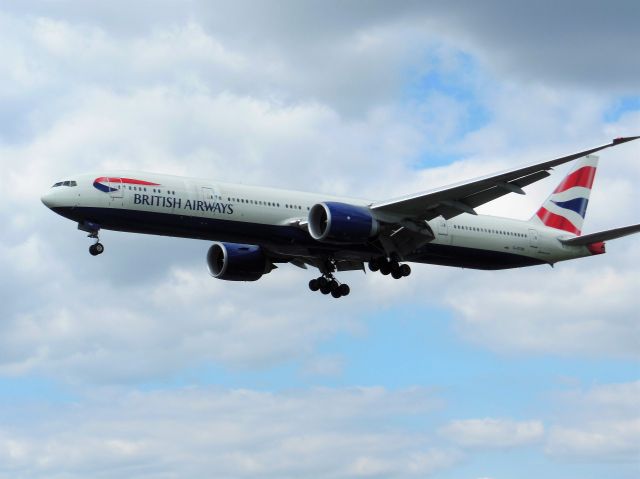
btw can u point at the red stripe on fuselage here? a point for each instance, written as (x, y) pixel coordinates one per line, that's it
(582, 177)
(129, 181)
(556, 221)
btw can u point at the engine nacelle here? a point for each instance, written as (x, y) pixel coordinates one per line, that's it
(341, 223)
(237, 262)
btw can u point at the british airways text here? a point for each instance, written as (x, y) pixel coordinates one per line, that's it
(176, 203)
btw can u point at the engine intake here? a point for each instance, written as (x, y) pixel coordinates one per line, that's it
(237, 262)
(341, 223)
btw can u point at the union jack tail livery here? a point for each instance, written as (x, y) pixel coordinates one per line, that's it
(565, 208)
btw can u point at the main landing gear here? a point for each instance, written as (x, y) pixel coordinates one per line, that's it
(328, 284)
(390, 266)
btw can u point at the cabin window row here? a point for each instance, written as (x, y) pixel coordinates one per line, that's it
(153, 190)
(264, 203)
(489, 230)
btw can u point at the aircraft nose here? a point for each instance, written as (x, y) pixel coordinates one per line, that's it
(47, 199)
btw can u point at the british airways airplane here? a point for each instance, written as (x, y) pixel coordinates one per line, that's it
(254, 228)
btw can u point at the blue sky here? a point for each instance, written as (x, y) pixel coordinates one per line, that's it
(137, 363)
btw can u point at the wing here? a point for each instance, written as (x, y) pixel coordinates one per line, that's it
(602, 236)
(453, 200)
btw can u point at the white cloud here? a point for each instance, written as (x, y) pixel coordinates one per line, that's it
(493, 432)
(601, 424)
(199, 432)
(589, 308)
(296, 96)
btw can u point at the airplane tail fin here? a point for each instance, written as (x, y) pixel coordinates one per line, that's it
(565, 208)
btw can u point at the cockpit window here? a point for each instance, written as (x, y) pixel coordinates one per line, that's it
(65, 183)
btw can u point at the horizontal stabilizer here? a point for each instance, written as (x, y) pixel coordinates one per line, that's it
(602, 236)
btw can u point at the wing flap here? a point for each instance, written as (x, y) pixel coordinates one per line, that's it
(490, 194)
(602, 236)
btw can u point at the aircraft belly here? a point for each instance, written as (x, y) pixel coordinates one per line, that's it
(472, 258)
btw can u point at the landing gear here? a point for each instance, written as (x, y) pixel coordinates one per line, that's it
(327, 284)
(96, 249)
(388, 266)
(94, 233)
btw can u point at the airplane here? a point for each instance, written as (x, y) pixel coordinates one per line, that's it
(253, 229)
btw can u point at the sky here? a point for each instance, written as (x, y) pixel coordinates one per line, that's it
(138, 364)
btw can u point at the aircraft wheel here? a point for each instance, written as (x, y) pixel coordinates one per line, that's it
(99, 248)
(322, 282)
(333, 285)
(325, 289)
(336, 293)
(405, 269)
(385, 268)
(313, 285)
(344, 289)
(396, 273)
(374, 265)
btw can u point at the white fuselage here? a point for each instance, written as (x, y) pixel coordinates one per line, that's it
(205, 209)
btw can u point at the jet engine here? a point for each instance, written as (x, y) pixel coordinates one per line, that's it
(341, 223)
(237, 262)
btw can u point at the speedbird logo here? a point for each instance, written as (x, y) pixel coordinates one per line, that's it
(104, 183)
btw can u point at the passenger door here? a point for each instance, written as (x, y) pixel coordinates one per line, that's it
(533, 239)
(116, 191)
(442, 231)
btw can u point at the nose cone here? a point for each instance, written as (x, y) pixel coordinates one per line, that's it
(47, 199)
(57, 198)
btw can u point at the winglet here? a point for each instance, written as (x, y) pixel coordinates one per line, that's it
(618, 141)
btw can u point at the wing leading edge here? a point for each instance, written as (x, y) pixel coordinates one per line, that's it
(455, 199)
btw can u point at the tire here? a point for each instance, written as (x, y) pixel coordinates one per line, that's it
(313, 285)
(93, 251)
(325, 289)
(396, 273)
(405, 269)
(385, 268)
(333, 285)
(344, 289)
(322, 282)
(99, 248)
(336, 293)
(374, 265)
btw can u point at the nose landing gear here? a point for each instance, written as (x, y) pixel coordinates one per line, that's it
(96, 249)
(94, 233)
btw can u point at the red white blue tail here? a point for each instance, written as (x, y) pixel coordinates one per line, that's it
(567, 205)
